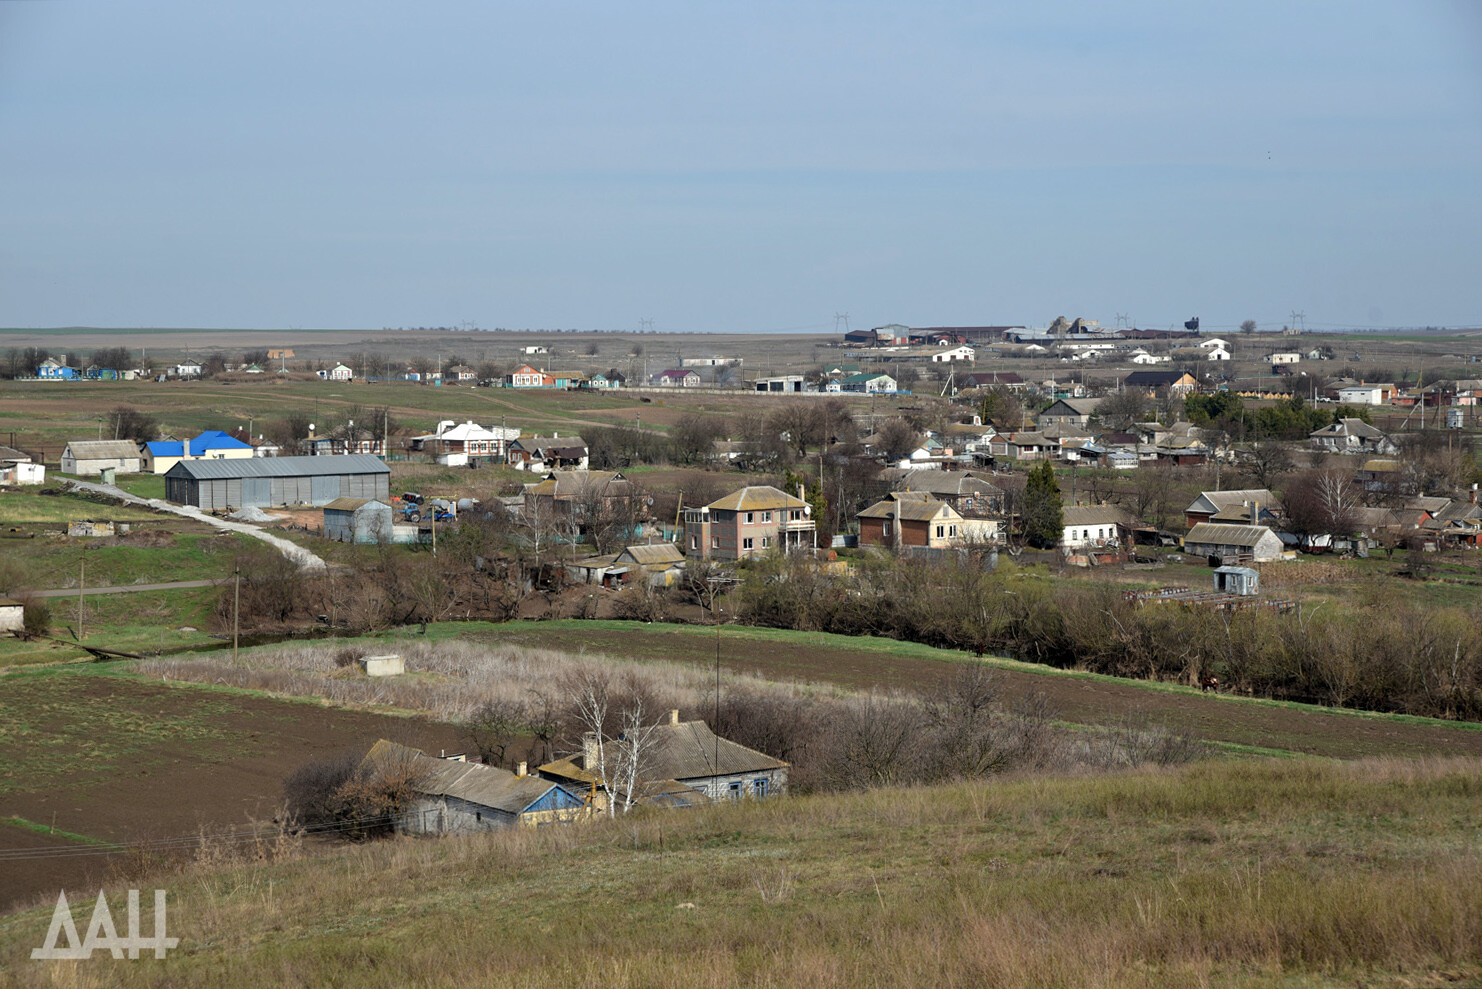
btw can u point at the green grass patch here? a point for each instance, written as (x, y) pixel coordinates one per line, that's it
(25, 825)
(53, 563)
(29, 506)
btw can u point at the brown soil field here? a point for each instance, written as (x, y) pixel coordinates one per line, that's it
(1078, 699)
(163, 785)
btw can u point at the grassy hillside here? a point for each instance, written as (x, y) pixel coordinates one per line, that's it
(1249, 874)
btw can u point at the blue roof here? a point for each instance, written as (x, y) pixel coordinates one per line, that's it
(166, 448)
(215, 439)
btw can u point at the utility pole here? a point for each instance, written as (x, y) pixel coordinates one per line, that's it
(81, 584)
(236, 609)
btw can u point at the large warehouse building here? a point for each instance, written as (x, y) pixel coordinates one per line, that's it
(226, 485)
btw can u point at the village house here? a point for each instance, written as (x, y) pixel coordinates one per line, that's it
(752, 521)
(1214, 343)
(1240, 543)
(1217, 354)
(898, 524)
(548, 453)
(676, 378)
(454, 796)
(1098, 526)
(56, 369)
(337, 373)
(1211, 503)
(1175, 382)
(963, 353)
(578, 493)
(159, 456)
(660, 564)
(82, 457)
(867, 383)
(526, 376)
(455, 444)
(994, 379)
(970, 494)
(188, 369)
(1351, 436)
(684, 763)
(1146, 358)
(461, 372)
(1068, 412)
(1023, 446)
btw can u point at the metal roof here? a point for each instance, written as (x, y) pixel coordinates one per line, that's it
(104, 449)
(756, 498)
(1226, 535)
(215, 470)
(351, 504)
(487, 786)
(654, 554)
(909, 511)
(1092, 515)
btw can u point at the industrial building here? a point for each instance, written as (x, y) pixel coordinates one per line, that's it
(226, 485)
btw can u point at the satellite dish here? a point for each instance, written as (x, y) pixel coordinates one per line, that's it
(807, 509)
(649, 500)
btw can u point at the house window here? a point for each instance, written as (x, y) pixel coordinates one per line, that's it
(952, 530)
(736, 791)
(885, 527)
(750, 517)
(715, 542)
(766, 542)
(766, 516)
(796, 514)
(694, 542)
(941, 531)
(759, 787)
(746, 543)
(1085, 533)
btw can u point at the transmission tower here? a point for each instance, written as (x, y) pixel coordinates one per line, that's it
(1299, 319)
(841, 317)
(1121, 320)
(645, 325)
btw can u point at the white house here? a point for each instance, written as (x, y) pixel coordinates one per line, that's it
(526, 376)
(337, 373)
(1217, 354)
(1147, 358)
(868, 383)
(1093, 525)
(963, 353)
(1214, 342)
(188, 369)
(536, 349)
(1352, 436)
(1361, 395)
(1279, 359)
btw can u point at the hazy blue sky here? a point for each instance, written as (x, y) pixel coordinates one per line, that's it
(738, 166)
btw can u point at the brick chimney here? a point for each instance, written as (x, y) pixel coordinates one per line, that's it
(674, 716)
(589, 750)
(520, 770)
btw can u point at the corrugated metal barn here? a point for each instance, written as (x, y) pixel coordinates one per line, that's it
(358, 520)
(226, 485)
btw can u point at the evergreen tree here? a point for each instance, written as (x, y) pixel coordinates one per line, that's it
(1043, 519)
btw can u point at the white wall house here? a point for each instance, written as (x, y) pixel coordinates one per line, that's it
(1213, 342)
(1217, 354)
(1277, 359)
(1147, 358)
(1361, 395)
(955, 354)
(337, 373)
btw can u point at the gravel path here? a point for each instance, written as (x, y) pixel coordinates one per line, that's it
(293, 551)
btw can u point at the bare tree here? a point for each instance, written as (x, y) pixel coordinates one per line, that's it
(1266, 460)
(493, 725)
(897, 439)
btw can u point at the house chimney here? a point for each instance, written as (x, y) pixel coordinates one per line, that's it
(674, 716)
(520, 770)
(589, 750)
(801, 495)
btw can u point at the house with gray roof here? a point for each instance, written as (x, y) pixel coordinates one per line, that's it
(453, 796)
(82, 457)
(1243, 543)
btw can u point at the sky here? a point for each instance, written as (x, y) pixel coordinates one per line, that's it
(739, 167)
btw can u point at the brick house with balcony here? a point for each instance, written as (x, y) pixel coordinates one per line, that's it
(900, 523)
(753, 521)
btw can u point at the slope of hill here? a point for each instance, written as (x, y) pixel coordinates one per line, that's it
(1252, 873)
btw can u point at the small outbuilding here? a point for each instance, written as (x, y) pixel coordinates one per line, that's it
(12, 616)
(1242, 543)
(358, 520)
(1237, 580)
